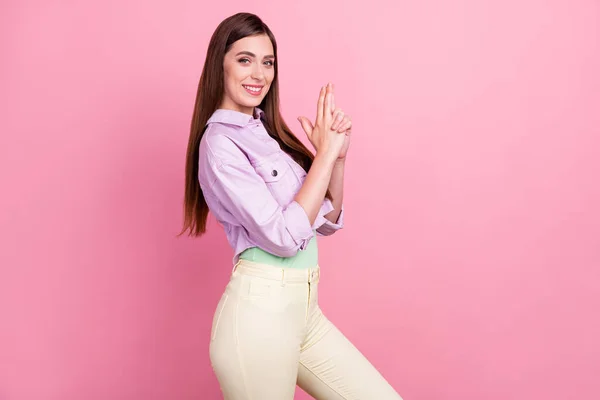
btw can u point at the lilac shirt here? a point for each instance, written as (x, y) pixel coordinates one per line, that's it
(249, 184)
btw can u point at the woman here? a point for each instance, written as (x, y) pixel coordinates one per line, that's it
(246, 166)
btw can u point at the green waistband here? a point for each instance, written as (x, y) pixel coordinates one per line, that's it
(306, 258)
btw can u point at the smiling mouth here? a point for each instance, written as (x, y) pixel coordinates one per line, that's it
(253, 90)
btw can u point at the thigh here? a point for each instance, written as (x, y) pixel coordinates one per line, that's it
(255, 340)
(332, 368)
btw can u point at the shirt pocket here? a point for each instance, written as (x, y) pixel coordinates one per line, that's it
(277, 173)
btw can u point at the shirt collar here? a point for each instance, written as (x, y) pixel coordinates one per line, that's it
(235, 117)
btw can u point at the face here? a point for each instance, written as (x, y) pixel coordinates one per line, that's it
(249, 71)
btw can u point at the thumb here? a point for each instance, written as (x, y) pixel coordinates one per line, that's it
(306, 125)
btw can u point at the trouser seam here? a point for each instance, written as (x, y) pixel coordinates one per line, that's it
(325, 383)
(239, 353)
(329, 328)
(307, 303)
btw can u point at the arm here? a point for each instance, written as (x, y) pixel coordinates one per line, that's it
(325, 171)
(331, 215)
(311, 194)
(335, 214)
(336, 187)
(246, 200)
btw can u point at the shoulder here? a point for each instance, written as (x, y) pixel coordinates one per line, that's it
(219, 144)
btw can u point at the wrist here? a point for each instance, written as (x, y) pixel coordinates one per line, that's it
(327, 157)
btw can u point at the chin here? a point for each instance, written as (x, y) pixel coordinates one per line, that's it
(251, 103)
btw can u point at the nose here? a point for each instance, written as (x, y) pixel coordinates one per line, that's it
(257, 72)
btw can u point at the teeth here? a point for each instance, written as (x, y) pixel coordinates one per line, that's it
(252, 89)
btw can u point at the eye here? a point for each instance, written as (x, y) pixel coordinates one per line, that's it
(241, 60)
(269, 63)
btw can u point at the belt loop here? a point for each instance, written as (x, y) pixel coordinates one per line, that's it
(282, 277)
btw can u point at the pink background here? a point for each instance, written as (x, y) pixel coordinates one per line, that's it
(469, 267)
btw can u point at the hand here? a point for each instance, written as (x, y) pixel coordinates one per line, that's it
(345, 146)
(343, 124)
(321, 136)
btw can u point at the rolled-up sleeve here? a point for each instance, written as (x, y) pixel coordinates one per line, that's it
(243, 194)
(325, 227)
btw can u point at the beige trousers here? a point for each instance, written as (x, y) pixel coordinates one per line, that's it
(269, 334)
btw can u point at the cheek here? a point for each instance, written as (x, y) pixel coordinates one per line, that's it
(232, 86)
(227, 80)
(233, 77)
(269, 79)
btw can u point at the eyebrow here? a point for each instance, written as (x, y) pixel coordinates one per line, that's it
(253, 55)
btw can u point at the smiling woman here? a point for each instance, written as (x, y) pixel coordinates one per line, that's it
(249, 71)
(273, 197)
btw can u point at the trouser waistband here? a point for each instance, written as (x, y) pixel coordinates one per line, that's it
(281, 274)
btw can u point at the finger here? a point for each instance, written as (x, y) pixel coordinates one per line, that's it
(320, 104)
(335, 115)
(338, 117)
(332, 98)
(343, 122)
(336, 120)
(327, 109)
(332, 103)
(345, 125)
(306, 125)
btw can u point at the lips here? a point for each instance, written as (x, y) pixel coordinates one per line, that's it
(253, 90)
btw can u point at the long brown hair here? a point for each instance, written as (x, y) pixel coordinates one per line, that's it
(209, 97)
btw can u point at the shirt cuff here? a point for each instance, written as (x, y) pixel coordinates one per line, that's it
(298, 225)
(326, 207)
(325, 226)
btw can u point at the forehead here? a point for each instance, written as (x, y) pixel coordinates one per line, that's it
(260, 45)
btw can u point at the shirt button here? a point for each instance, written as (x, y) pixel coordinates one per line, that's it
(274, 172)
